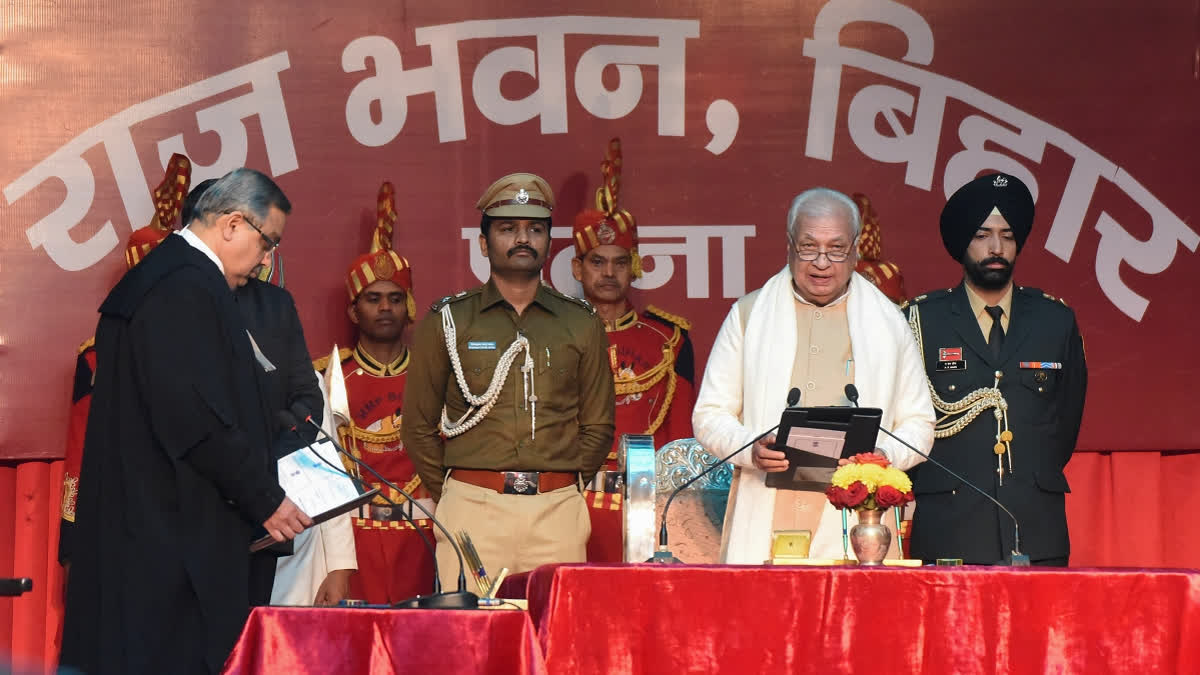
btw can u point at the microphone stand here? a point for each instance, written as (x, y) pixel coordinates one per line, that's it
(1018, 559)
(460, 599)
(437, 578)
(663, 553)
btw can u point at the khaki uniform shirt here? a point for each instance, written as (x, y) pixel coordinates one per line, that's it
(979, 307)
(571, 379)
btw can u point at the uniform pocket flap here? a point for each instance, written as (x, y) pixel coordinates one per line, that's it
(1052, 481)
(931, 479)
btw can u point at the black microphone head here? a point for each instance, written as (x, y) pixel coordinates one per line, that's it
(301, 411)
(793, 397)
(852, 393)
(287, 419)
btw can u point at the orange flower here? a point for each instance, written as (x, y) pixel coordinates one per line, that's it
(870, 458)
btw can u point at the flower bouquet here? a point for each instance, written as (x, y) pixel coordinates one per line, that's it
(869, 484)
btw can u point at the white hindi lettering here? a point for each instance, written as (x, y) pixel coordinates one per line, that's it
(391, 84)
(226, 118)
(660, 244)
(1017, 131)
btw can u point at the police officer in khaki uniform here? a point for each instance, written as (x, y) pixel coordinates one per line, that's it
(1008, 378)
(510, 409)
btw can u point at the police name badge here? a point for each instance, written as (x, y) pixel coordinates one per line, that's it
(951, 358)
(481, 345)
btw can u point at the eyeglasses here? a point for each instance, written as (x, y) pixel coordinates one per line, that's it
(811, 253)
(272, 244)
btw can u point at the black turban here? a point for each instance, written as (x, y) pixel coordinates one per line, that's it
(973, 203)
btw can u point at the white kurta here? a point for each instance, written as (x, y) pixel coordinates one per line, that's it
(318, 550)
(744, 392)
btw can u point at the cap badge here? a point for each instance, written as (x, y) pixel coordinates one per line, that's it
(383, 267)
(522, 197)
(1000, 181)
(606, 234)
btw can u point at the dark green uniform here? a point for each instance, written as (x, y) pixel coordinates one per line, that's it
(572, 381)
(1044, 380)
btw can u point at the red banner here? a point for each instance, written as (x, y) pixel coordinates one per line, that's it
(725, 111)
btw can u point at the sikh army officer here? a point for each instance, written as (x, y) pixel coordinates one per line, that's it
(1008, 378)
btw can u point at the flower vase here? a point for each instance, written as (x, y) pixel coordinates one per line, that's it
(870, 538)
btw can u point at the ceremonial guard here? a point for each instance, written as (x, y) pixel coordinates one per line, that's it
(393, 562)
(885, 274)
(1008, 378)
(510, 405)
(168, 200)
(649, 352)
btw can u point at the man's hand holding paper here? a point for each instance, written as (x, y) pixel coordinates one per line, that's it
(287, 521)
(766, 459)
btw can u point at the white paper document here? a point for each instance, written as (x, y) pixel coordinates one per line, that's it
(824, 442)
(316, 486)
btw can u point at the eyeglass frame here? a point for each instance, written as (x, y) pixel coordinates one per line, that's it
(822, 252)
(272, 244)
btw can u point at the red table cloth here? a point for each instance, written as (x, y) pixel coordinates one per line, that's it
(297, 640)
(735, 619)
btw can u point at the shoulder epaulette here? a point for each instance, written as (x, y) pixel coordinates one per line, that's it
(87, 344)
(322, 363)
(931, 295)
(570, 298)
(437, 306)
(1041, 295)
(674, 319)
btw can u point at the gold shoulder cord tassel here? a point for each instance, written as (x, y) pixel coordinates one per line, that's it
(956, 415)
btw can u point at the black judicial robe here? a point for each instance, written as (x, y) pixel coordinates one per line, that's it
(1044, 380)
(270, 314)
(177, 474)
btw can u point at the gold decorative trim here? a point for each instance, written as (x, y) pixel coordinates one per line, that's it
(373, 367)
(69, 497)
(89, 343)
(673, 318)
(322, 363)
(624, 322)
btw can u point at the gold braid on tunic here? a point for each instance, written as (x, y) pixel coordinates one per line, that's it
(351, 434)
(636, 384)
(956, 415)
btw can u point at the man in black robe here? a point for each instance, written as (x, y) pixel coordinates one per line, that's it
(271, 317)
(177, 469)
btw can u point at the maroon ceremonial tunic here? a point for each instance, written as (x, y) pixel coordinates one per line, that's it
(651, 359)
(393, 563)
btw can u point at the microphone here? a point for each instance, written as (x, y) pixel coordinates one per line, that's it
(1018, 559)
(12, 587)
(663, 554)
(289, 421)
(460, 599)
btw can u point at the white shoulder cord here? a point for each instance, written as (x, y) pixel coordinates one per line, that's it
(480, 406)
(968, 407)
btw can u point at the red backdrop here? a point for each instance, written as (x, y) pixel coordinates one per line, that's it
(725, 110)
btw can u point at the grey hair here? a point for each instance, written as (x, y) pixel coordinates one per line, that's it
(823, 202)
(241, 190)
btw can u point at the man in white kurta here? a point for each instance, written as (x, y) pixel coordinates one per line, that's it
(304, 578)
(815, 325)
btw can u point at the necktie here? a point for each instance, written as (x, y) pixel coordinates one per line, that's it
(996, 336)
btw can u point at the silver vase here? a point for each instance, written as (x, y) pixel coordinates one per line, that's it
(870, 538)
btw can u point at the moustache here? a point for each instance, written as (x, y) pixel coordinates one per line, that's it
(513, 251)
(989, 261)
